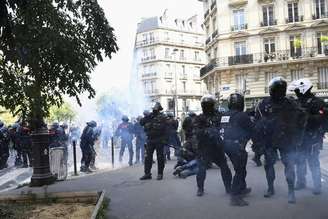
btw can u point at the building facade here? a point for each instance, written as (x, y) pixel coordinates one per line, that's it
(248, 42)
(169, 54)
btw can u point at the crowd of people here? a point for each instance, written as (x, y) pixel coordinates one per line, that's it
(279, 125)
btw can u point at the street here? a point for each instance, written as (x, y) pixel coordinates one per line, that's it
(176, 198)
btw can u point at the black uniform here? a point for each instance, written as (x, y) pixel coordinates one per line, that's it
(155, 126)
(282, 124)
(210, 148)
(4, 146)
(312, 142)
(236, 129)
(26, 144)
(174, 139)
(141, 138)
(87, 143)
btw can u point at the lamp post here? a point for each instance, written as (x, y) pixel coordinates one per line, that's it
(176, 109)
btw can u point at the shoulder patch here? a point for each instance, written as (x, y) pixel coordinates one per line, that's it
(225, 119)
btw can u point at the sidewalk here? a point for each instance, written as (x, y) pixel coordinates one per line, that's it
(175, 198)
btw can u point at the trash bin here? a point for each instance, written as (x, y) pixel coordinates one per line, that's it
(58, 162)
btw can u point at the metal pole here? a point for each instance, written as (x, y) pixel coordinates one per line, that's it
(74, 157)
(176, 109)
(112, 140)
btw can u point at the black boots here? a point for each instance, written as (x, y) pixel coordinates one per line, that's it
(159, 177)
(146, 177)
(270, 192)
(200, 192)
(291, 195)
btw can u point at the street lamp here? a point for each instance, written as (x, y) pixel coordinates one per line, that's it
(176, 109)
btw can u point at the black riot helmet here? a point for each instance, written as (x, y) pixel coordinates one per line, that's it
(278, 88)
(125, 118)
(208, 104)
(236, 102)
(157, 107)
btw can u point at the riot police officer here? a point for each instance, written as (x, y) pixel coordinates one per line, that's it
(280, 123)
(155, 125)
(26, 143)
(209, 144)
(174, 139)
(87, 143)
(236, 129)
(4, 145)
(313, 135)
(141, 138)
(125, 132)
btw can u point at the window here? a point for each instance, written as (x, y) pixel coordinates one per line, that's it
(295, 46)
(215, 51)
(196, 57)
(214, 23)
(182, 55)
(145, 53)
(268, 77)
(145, 37)
(183, 69)
(322, 46)
(241, 83)
(293, 12)
(239, 19)
(184, 87)
(240, 48)
(166, 35)
(170, 104)
(151, 37)
(296, 74)
(320, 8)
(269, 45)
(268, 15)
(152, 53)
(323, 78)
(196, 74)
(168, 70)
(167, 53)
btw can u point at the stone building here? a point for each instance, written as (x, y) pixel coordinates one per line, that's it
(248, 42)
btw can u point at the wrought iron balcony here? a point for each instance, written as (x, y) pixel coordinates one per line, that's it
(213, 5)
(322, 85)
(239, 27)
(208, 40)
(262, 58)
(241, 59)
(269, 23)
(146, 59)
(214, 34)
(320, 16)
(296, 19)
(207, 13)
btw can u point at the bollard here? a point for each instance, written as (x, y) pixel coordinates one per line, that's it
(112, 140)
(74, 157)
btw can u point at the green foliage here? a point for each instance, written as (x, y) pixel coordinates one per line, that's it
(49, 49)
(324, 39)
(64, 113)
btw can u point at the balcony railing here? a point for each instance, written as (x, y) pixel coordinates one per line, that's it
(206, 13)
(268, 23)
(296, 19)
(322, 85)
(239, 27)
(241, 59)
(261, 58)
(213, 5)
(168, 41)
(208, 40)
(145, 59)
(214, 34)
(320, 16)
(153, 74)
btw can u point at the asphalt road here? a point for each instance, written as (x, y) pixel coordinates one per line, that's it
(175, 198)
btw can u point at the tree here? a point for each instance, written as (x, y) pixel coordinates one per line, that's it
(64, 113)
(48, 48)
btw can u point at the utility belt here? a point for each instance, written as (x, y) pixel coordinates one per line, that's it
(234, 145)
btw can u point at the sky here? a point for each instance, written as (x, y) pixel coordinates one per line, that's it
(123, 16)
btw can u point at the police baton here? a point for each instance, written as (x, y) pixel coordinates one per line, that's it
(74, 157)
(112, 142)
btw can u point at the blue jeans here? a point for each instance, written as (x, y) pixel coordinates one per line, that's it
(125, 144)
